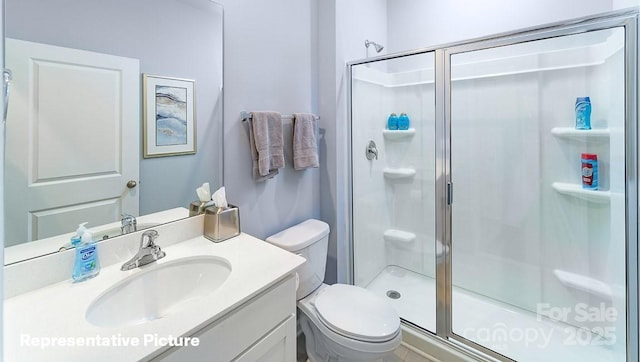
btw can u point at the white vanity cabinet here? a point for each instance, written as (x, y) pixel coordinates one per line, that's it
(261, 329)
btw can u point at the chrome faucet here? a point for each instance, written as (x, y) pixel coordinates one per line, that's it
(371, 151)
(129, 223)
(148, 253)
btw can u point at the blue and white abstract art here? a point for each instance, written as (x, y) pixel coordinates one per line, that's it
(169, 125)
(171, 116)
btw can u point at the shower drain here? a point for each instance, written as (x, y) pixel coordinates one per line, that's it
(393, 294)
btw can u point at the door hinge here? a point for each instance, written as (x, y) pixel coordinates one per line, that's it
(449, 193)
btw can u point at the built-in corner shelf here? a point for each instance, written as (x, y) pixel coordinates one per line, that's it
(584, 283)
(397, 135)
(399, 236)
(398, 173)
(600, 197)
(595, 135)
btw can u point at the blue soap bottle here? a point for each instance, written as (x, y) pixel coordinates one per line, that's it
(392, 122)
(87, 264)
(403, 122)
(583, 113)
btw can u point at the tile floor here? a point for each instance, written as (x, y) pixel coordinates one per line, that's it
(405, 353)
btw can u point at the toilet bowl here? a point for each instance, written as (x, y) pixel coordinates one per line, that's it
(340, 322)
(348, 325)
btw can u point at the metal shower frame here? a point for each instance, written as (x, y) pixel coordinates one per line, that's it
(443, 187)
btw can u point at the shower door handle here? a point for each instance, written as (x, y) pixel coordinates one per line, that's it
(371, 151)
(6, 84)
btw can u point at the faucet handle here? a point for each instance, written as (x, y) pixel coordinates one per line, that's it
(127, 217)
(128, 223)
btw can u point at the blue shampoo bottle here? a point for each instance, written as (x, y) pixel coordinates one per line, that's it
(392, 122)
(403, 122)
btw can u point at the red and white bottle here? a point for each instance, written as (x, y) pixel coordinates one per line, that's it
(589, 171)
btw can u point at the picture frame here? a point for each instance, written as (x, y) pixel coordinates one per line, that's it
(169, 125)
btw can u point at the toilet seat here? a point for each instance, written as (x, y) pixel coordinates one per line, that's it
(356, 313)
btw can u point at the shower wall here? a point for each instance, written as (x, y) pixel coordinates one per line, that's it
(388, 202)
(516, 238)
(585, 238)
(370, 102)
(525, 234)
(497, 241)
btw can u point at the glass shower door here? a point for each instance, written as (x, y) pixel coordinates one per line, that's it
(393, 176)
(538, 253)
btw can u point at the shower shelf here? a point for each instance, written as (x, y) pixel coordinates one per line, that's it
(398, 173)
(399, 235)
(584, 283)
(396, 135)
(575, 190)
(597, 135)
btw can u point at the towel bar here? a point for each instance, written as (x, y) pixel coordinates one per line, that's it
(244, 115)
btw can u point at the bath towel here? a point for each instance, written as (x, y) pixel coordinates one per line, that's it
(267, 140)
(305, 146)
(254, 156)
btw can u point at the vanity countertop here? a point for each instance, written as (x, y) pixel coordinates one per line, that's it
(56, 313)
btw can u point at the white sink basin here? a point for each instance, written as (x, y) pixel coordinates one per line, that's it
(157, 291)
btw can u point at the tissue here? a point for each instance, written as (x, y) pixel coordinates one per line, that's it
(204, 193)
(219, 198)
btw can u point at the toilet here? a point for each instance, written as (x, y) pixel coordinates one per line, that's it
(340, 322)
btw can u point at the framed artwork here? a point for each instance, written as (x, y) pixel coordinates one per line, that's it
(169, 126)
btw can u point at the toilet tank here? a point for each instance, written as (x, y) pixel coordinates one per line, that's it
(308, 239)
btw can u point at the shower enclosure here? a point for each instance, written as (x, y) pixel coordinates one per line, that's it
(474, 222)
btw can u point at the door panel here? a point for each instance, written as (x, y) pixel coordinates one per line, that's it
(43, 223)
(83, 93)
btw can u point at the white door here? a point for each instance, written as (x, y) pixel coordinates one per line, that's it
(72, 143)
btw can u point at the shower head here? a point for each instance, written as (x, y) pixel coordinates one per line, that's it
(376, 45)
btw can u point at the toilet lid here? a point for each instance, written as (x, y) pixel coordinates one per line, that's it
(357, 313)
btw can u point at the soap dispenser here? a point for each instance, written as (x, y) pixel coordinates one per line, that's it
(77, 238)
(87, 264)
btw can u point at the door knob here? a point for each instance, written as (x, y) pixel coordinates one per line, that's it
(131, 184)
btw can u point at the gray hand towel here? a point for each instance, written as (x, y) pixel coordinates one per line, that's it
(305, 146)
(254, 156)
(267, 134)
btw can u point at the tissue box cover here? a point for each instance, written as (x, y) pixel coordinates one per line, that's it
(196, 208)
(221, 223)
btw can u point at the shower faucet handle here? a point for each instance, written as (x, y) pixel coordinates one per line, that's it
(371, 151)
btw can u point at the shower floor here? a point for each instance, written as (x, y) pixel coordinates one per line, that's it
(478, 318)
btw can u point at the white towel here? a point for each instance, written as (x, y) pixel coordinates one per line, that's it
(266, 139)
(305, 146)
